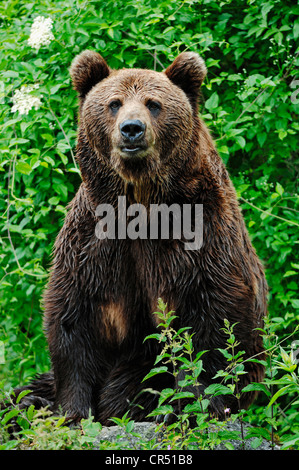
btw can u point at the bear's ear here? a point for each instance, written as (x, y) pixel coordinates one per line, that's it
(188, 72)
(88, 69)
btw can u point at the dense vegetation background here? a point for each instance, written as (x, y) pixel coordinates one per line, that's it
(250, 101)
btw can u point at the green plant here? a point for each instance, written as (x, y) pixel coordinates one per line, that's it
(31, 429)
(130, 439)
(251, 51)
(192, 427)
(279, 419)
(231, 375)
(177, 357)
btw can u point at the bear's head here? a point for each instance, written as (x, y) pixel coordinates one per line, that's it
(139, 121)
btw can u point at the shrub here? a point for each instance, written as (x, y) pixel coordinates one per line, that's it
(249, 101)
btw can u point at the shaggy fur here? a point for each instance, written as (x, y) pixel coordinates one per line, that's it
(102, 293)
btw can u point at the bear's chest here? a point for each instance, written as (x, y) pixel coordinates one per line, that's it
(133, 274)
(125, 278)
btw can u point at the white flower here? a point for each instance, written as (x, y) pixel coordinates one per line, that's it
(23, 101)
(41, 34)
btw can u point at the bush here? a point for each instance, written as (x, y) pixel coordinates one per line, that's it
(190, 427)
(249, 100)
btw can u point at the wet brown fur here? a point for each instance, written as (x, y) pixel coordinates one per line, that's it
(102, 293)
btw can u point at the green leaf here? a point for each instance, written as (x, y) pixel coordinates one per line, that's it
(282, 134)
(54, 200)
(19, 141)
(212, 103)
(110, 33)
(181, 330)
(241, 141)
(21, 395)
(257, 387)
(49, 138)
(228, 445)
(279, 189)
(255, 443)
(278, 394)
(60, 421)
(23, 167)
(218, 389)
(226, 354)
(130, 426)
(180, 395)
(198, 369)
(165, 394)
(153, 336)
(289, 443)
(8, 416)
(261, 138)
(197, 406)
(290, 273)
(296, 29)
(155, 371)
(162, 410)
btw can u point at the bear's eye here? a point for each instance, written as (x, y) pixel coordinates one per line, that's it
(154, 107)
(115, 105)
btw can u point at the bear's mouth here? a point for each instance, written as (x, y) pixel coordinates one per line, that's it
(130, 150)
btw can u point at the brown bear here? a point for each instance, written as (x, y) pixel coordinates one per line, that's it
(140, 138)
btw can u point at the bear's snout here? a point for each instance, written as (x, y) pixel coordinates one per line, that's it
(132, 132)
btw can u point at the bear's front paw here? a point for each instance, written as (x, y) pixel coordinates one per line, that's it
(35, 400)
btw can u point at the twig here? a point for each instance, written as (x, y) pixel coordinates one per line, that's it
(9, 235)
(269, 213)
(7, 218)
(255, 99)
(156, 59)
(9, 191)
(62, 130)
(153, 55)
(288, 208)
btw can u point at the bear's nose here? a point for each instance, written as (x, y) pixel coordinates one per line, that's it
(132, 130)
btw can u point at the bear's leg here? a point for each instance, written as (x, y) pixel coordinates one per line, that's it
(73, 347)
(124, 390)
(75, 378)
(42, 392)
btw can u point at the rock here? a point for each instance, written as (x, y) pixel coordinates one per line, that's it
(141, 433)
(147, 436)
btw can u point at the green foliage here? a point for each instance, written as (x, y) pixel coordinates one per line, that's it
(249, 101)
(192, 428)
(177, 357)
(278, 404)
(41, 430)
